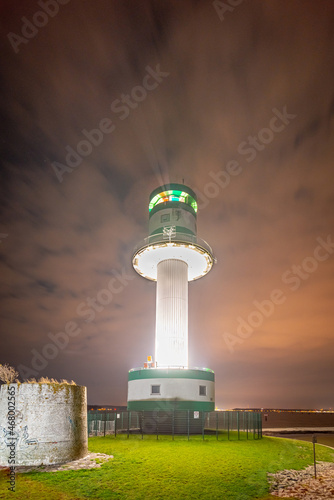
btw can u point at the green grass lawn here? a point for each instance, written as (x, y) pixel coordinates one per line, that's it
(165, 469)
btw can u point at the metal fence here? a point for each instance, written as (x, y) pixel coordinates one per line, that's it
(231, 425)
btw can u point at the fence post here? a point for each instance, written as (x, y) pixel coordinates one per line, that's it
(188, 424)
(247, 418)
(173, 423)
(115, 427)
(238, 424)
(104, 422)
(253, 415)
(224, 420)
(96, 413)
(217, 425)
(129, 418)
(157, 420)
(142, 424)
(203, 417)
(314, 440)
(228, 425)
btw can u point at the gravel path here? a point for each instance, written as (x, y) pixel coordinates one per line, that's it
(302, 485)
(91, 461)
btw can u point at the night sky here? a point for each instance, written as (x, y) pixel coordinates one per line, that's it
(101, 102)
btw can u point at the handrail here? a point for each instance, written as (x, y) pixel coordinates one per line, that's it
(171, 368)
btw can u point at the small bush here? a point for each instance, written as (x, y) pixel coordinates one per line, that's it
(47, 380)
(8, 374)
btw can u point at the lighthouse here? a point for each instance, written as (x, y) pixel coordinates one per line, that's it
(172, 255)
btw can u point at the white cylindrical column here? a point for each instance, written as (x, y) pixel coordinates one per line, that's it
(171, 334)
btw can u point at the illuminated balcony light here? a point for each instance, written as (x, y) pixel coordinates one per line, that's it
(199, 261)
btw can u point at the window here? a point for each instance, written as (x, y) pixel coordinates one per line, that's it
(165, 218)
(202, 390)
(173, 195)
(155, 389)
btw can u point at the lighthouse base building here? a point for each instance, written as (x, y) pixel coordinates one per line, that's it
(171, 389)
(172, 255)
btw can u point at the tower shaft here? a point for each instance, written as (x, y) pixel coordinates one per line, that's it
(171, 334)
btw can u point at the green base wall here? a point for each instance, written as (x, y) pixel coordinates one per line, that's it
(171, 405)
(145, 373)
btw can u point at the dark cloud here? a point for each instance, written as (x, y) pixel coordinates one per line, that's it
(226, 83)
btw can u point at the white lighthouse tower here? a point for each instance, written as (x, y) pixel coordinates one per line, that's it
(172, 255)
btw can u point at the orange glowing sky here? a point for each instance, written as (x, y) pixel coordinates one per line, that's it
(244, 114)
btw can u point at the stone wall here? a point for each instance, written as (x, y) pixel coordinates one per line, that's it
(49, 423)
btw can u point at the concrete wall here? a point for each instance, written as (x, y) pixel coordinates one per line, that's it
(50, 423)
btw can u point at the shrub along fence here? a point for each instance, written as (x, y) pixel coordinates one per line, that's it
(230, 425)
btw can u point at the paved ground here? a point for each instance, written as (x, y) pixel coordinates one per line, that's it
(322, 438)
